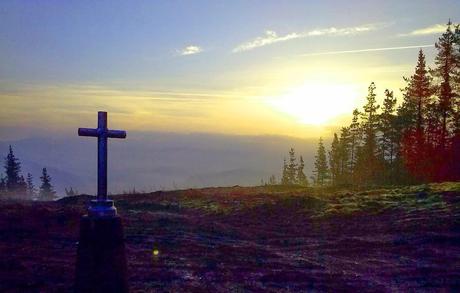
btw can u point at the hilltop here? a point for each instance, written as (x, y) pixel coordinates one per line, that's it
(250, 238)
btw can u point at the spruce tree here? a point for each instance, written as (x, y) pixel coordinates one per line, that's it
(455, 170)
(285, 176)
(12, 170)
(415, 148)
(388, 138)
(272, 180)
(334, 160)
(2, 185)
(356, 136)
(344, 155)
(71, 192)
(21, 191)
(46, 189)
(292, 167)
(446, 62)
(421, 89)
(301, 178)
(370, 121)
(368, 164)
(30, 186)
(321, 170)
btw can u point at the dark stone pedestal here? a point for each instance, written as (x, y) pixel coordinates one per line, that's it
(101, 260)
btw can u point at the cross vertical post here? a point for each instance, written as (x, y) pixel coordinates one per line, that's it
(102, 156)
(102, 206)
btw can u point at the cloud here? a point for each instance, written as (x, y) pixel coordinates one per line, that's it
(367, 50)
(190, 50)
(271, 37)
(430, 30)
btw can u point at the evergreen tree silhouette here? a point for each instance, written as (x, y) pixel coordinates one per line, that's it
(292, 167)
(368, 164)
(285, 176)
(388, 140)
(334, 160)
(30, 186)
(445, 73)
(455, 169)
(12, 170)
(415, 145)
(272, 180)
(21, 191)
(301, 179)
(446, 64)
(321, 171)
(46, 189)
(356, 136)
(344, 156)
(2, 185)
(71, 192)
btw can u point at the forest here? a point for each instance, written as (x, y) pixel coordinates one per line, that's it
(414, 141)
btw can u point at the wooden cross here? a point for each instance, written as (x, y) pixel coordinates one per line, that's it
(102, 133)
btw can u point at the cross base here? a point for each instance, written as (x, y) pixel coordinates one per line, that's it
(101, 259)
(102, 209)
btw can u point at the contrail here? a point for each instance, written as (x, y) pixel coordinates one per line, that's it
(366, 50)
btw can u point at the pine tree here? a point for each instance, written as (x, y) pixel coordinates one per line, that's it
(344, 156)
(21, 191)
(416, 104)
(370, 121)
(292, 167)
(334, 160)
(46, 189)
(301, 178)
(321, 170)
(356, 136)
(285, 176)
(388, 139)
(13, 172)
(446, 62)
(455, 169)
(420, 89)
(30, 186)
(272, 180)
(2, 185)
(368, 164)
(71, 192)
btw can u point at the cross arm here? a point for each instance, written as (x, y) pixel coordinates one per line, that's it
(116, 133)
(87, 132)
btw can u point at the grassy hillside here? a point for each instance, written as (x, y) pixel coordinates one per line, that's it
(251, 239)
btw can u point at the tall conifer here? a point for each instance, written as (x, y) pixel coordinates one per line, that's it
(46, 189)
(13, 172)
(301, 179)
(321, 171)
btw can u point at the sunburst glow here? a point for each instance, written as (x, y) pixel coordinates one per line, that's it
(317, 103)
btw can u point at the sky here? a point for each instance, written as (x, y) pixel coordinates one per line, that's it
(295, 68)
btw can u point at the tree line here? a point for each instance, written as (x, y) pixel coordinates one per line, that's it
(14, 185)
(414, 142)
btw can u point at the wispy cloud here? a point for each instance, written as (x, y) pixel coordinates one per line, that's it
(271, 37)
(190, 50)
(430, 30)
(367, 50)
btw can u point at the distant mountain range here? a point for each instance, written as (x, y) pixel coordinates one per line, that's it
(154, 161)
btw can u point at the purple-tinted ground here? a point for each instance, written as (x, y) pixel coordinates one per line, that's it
(250, 239)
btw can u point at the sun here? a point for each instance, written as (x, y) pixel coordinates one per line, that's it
(317, 103)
